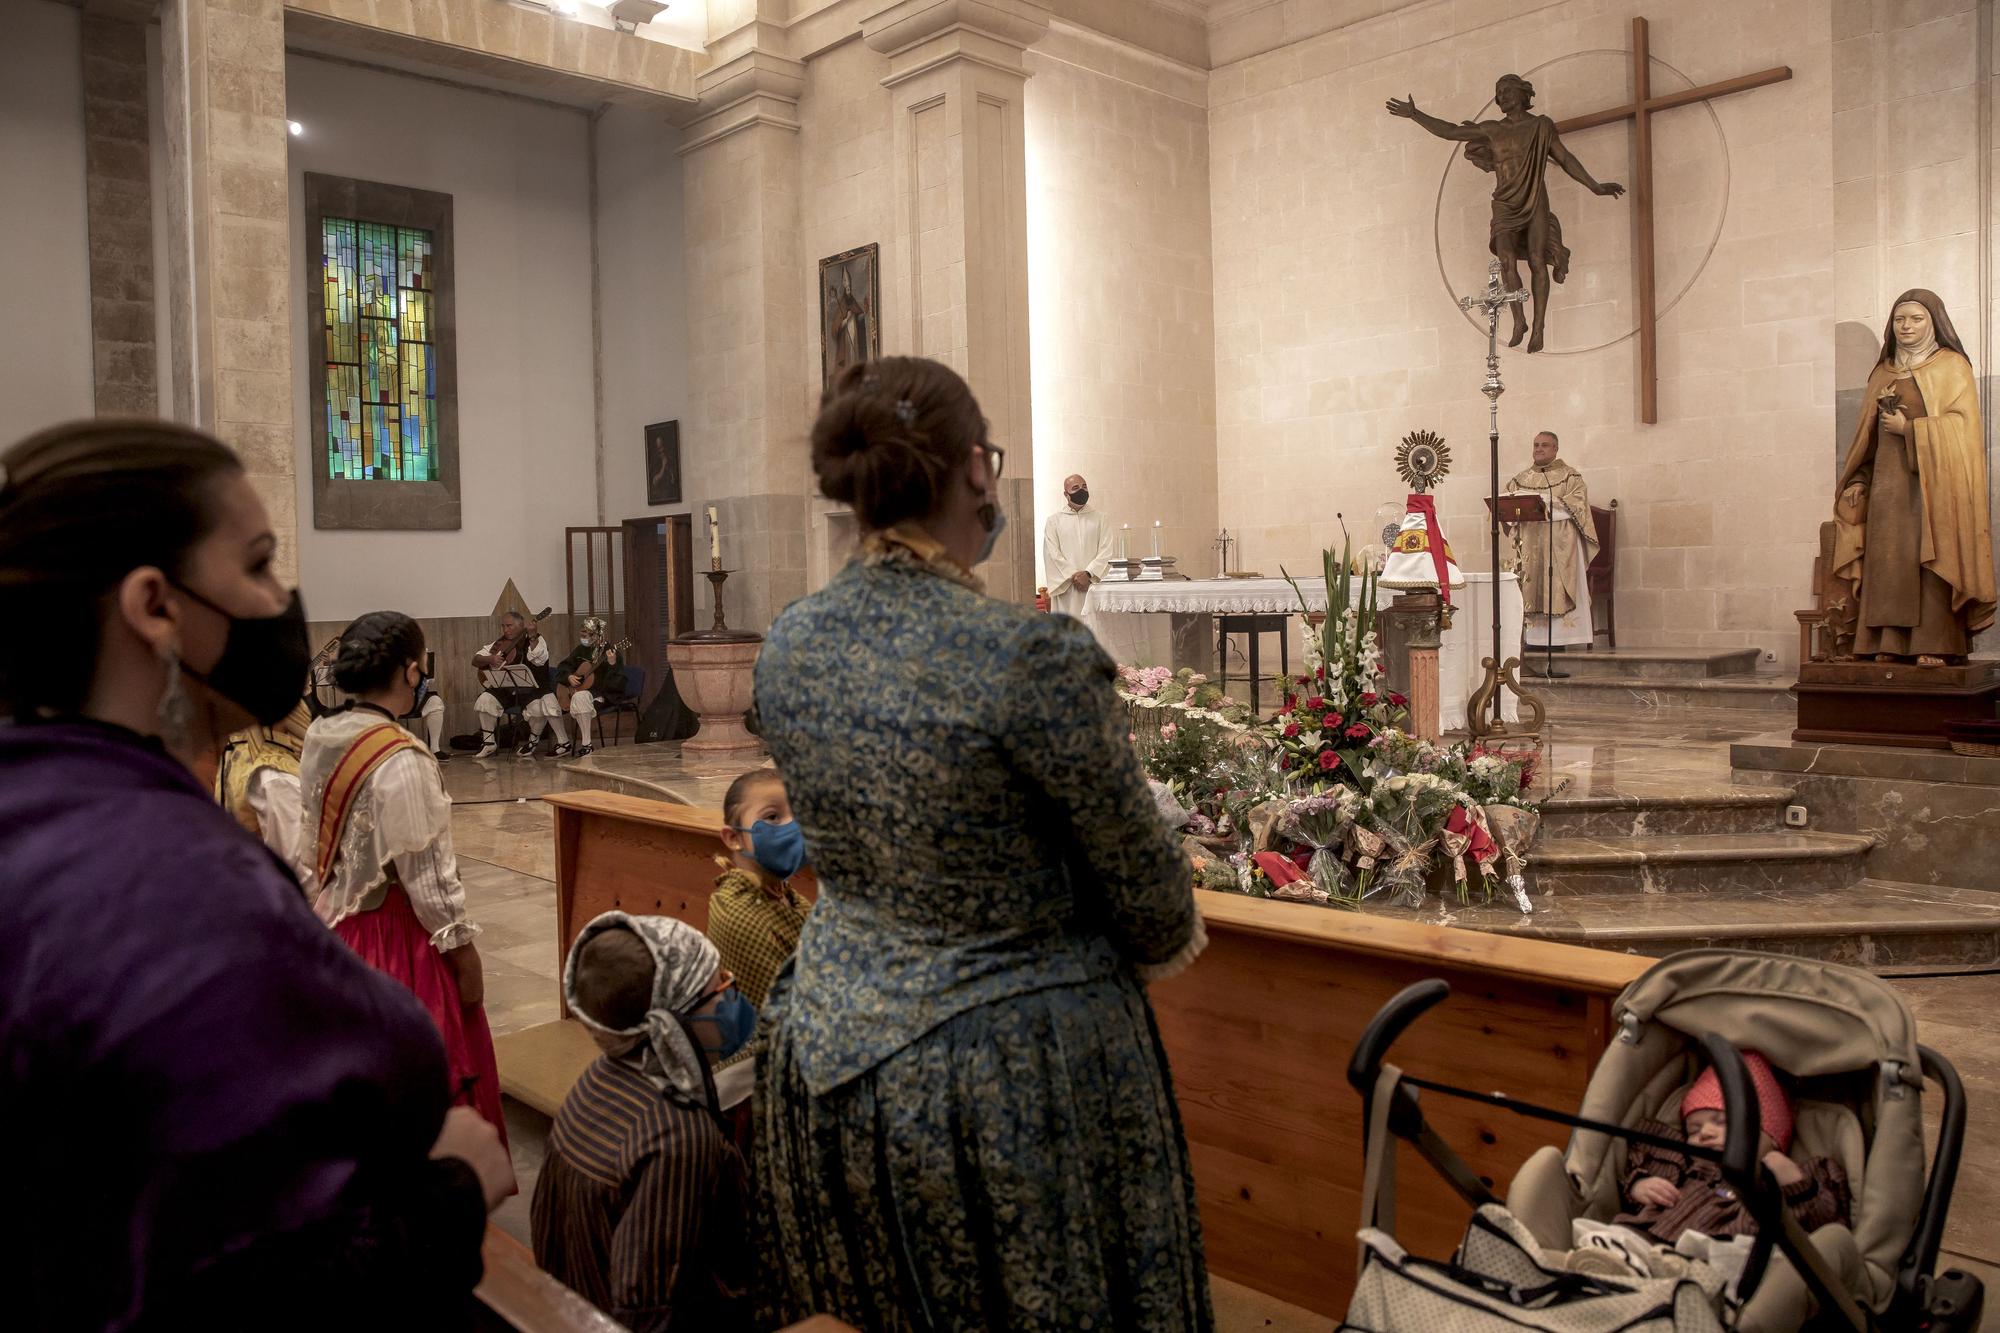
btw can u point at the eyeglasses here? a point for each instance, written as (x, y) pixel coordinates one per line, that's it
(996, 458)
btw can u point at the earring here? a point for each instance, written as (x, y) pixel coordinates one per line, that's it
(176, 710)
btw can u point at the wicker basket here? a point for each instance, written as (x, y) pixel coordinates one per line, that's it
(1979, 739)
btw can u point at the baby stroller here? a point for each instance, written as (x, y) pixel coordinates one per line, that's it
(1849, 1044)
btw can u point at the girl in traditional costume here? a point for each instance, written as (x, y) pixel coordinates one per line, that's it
(257, 780)
(221, 1118)
(1913, 542)
(381, 827)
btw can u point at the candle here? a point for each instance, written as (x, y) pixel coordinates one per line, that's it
(1156, 539)
(714, 541)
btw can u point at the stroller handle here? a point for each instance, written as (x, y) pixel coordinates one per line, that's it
(1389, 1023)
(1741, 1115)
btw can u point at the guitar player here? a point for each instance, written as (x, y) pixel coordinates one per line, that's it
(520, 644)
(589, 671)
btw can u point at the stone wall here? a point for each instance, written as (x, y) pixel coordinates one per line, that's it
(1336, 333)
(1120, 273)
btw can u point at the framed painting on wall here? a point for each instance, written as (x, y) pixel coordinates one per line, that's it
(850, 310)
(663, 463)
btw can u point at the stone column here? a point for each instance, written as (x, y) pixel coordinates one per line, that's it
(961, 284)
(230, 278)
(746, 424)
(117, 164)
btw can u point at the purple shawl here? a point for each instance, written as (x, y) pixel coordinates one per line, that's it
(189, 1060)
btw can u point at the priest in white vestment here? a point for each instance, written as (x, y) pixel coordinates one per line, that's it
(1556, 599)
(1076, 552)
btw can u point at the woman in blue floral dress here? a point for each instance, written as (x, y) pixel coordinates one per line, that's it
(964, 1116)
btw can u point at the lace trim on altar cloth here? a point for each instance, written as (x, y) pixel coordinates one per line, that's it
(908, 544)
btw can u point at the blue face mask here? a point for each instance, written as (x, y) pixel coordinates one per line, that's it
(734, 1019)
(779, 848)
(996, 523)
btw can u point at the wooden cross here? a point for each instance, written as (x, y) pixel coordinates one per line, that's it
(1640, 111)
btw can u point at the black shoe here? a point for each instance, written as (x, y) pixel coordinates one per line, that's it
(583, 750)
(561, 751)
(442, 756)
(527, 748)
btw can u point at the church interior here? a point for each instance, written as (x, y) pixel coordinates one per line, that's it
(1542, 524)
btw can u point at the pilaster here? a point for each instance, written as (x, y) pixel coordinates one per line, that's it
(229, 280)
(747, 452)
(117, 164)
(957, 77)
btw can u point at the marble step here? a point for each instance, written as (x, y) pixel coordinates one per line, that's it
(1654, 664)
(1881, 925)
(1719, 809)
(1696, 863)
(1598, 696)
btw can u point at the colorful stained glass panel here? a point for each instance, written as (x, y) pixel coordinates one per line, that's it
(381, 358)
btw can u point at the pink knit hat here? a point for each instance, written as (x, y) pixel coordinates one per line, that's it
(1774, 1107)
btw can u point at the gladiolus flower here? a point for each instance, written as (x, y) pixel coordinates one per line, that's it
(1328, 761)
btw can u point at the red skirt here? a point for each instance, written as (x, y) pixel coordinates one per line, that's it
(390, 939)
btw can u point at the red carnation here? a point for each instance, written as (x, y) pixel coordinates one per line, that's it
(1332, 721)
(1291, 731)
(1328, 760)
(1319, 673)
(1398, 700)
(1315, 704)
(1358, 732)
(1291, 702)
(1368, 700)
(1285, 762)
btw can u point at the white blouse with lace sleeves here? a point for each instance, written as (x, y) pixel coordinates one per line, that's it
(400, 817)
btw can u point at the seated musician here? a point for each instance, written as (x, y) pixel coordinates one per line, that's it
(520, 644)
(592, 671)
(430, 707)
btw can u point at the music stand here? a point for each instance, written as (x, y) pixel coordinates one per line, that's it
(513, 686)
(1514, 510)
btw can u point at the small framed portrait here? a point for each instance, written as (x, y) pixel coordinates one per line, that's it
(663, 463)
(850, 310)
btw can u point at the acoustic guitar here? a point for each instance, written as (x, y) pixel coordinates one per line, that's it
(585, 673)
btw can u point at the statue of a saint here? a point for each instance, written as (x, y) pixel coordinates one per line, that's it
(1913, 543)
(1515, 148)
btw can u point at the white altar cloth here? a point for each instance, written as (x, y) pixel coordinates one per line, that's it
(1461, 651)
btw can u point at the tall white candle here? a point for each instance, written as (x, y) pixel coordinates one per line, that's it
(1125, 542)
(714, 541)
(1156, 539)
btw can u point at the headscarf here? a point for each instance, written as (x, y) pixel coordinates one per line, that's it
(1942, 332)
(684, 962)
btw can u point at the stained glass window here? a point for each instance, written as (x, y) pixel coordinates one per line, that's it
(381, 357)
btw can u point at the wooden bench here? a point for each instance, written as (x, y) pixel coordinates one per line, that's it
(1258, 1034)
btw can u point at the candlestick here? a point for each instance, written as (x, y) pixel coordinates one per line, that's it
(1156, 539)
(714, 541)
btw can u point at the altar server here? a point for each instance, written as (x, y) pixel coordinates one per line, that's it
(1076, 552)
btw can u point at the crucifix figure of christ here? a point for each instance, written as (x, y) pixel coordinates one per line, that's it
(1517, 148)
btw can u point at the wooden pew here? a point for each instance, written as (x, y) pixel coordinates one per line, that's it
(1258, 1033)
(515, 1294)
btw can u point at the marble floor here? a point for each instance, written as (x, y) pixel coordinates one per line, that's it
(505, 843)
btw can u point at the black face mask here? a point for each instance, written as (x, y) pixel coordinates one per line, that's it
(264, 659)
(1079, 497)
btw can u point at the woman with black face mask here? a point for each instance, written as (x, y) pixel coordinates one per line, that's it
(228, 1120)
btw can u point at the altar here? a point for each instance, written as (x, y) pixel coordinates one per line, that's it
(1142, 615)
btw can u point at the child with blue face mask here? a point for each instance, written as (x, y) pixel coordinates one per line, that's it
(754, 915)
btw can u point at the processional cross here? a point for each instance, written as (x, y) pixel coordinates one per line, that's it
(1640, 111)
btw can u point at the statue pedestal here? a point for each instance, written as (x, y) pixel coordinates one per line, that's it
(713, 673)
(1892, 703)
(1419, 614)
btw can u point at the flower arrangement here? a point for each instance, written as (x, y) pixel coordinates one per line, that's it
(1331, 801)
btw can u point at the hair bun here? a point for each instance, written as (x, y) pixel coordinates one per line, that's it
(374, 648)
(889, 433)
